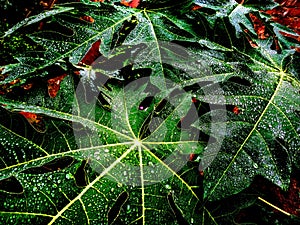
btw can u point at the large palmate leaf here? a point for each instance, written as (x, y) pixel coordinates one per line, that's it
(136, 163)
(262, 135)
(113, 146)
(71, 36)
(263, 139)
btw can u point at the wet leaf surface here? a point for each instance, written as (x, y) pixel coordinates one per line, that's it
(134, 112)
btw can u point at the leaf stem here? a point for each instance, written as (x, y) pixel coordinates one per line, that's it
(275, 207)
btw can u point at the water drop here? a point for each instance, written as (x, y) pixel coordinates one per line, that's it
(168, 187)
(68, 176)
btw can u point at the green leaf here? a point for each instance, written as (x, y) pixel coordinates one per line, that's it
(73, 37)
(36, 18)
(118, 150)
(263, 139)
(166, 84)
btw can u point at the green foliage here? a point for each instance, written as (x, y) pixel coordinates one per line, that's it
(94, 156)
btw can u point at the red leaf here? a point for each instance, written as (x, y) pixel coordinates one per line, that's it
(296, 37)
(92, 54)
(289, 3)
(35, 120)
(41, 25)
(196, 7)
(296, 48)
(54, 85)
(259, 27)
(236, 110)
(27, 87)
(194, 100)
(132, 4)
(201, 173)
(15, 82)
(87, 19)
(192, 157)
(28, 115)
(287, 14)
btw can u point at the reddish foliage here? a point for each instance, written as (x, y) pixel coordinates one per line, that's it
(196, 7)
(41, 25)
(14, 82)
(77, 72)
(287, 13)
(259, 27)
(201, 173)
(6, 88)
(92, 54)
(28, 115)
(35, 120)
(87, 19)
(277, 47)
(296, 48)
(194, 100)
(192, 157)
(289, 3)
(27, 87)
(291, 203)
(47, 4)
(236, 110)
(54, 85)
(132, 4)
(288, 201)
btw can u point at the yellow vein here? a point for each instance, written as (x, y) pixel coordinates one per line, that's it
(63, 115)
(172, 171)
(209, 214)
(270, 58)
(85, 212)
(275, 207)
(92, 38)
(65, 153)
(24, 139)
(176, 109)
(27, 214)
(142, 182)
(274, 69)
(59, 214)
(62, 134)
(50, 200)
(136, 221)
(168, 142)
(248, 137)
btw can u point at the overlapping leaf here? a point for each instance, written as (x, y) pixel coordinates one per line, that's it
(111, 142)
(117, 149)
(71, 36)
(263, 135)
